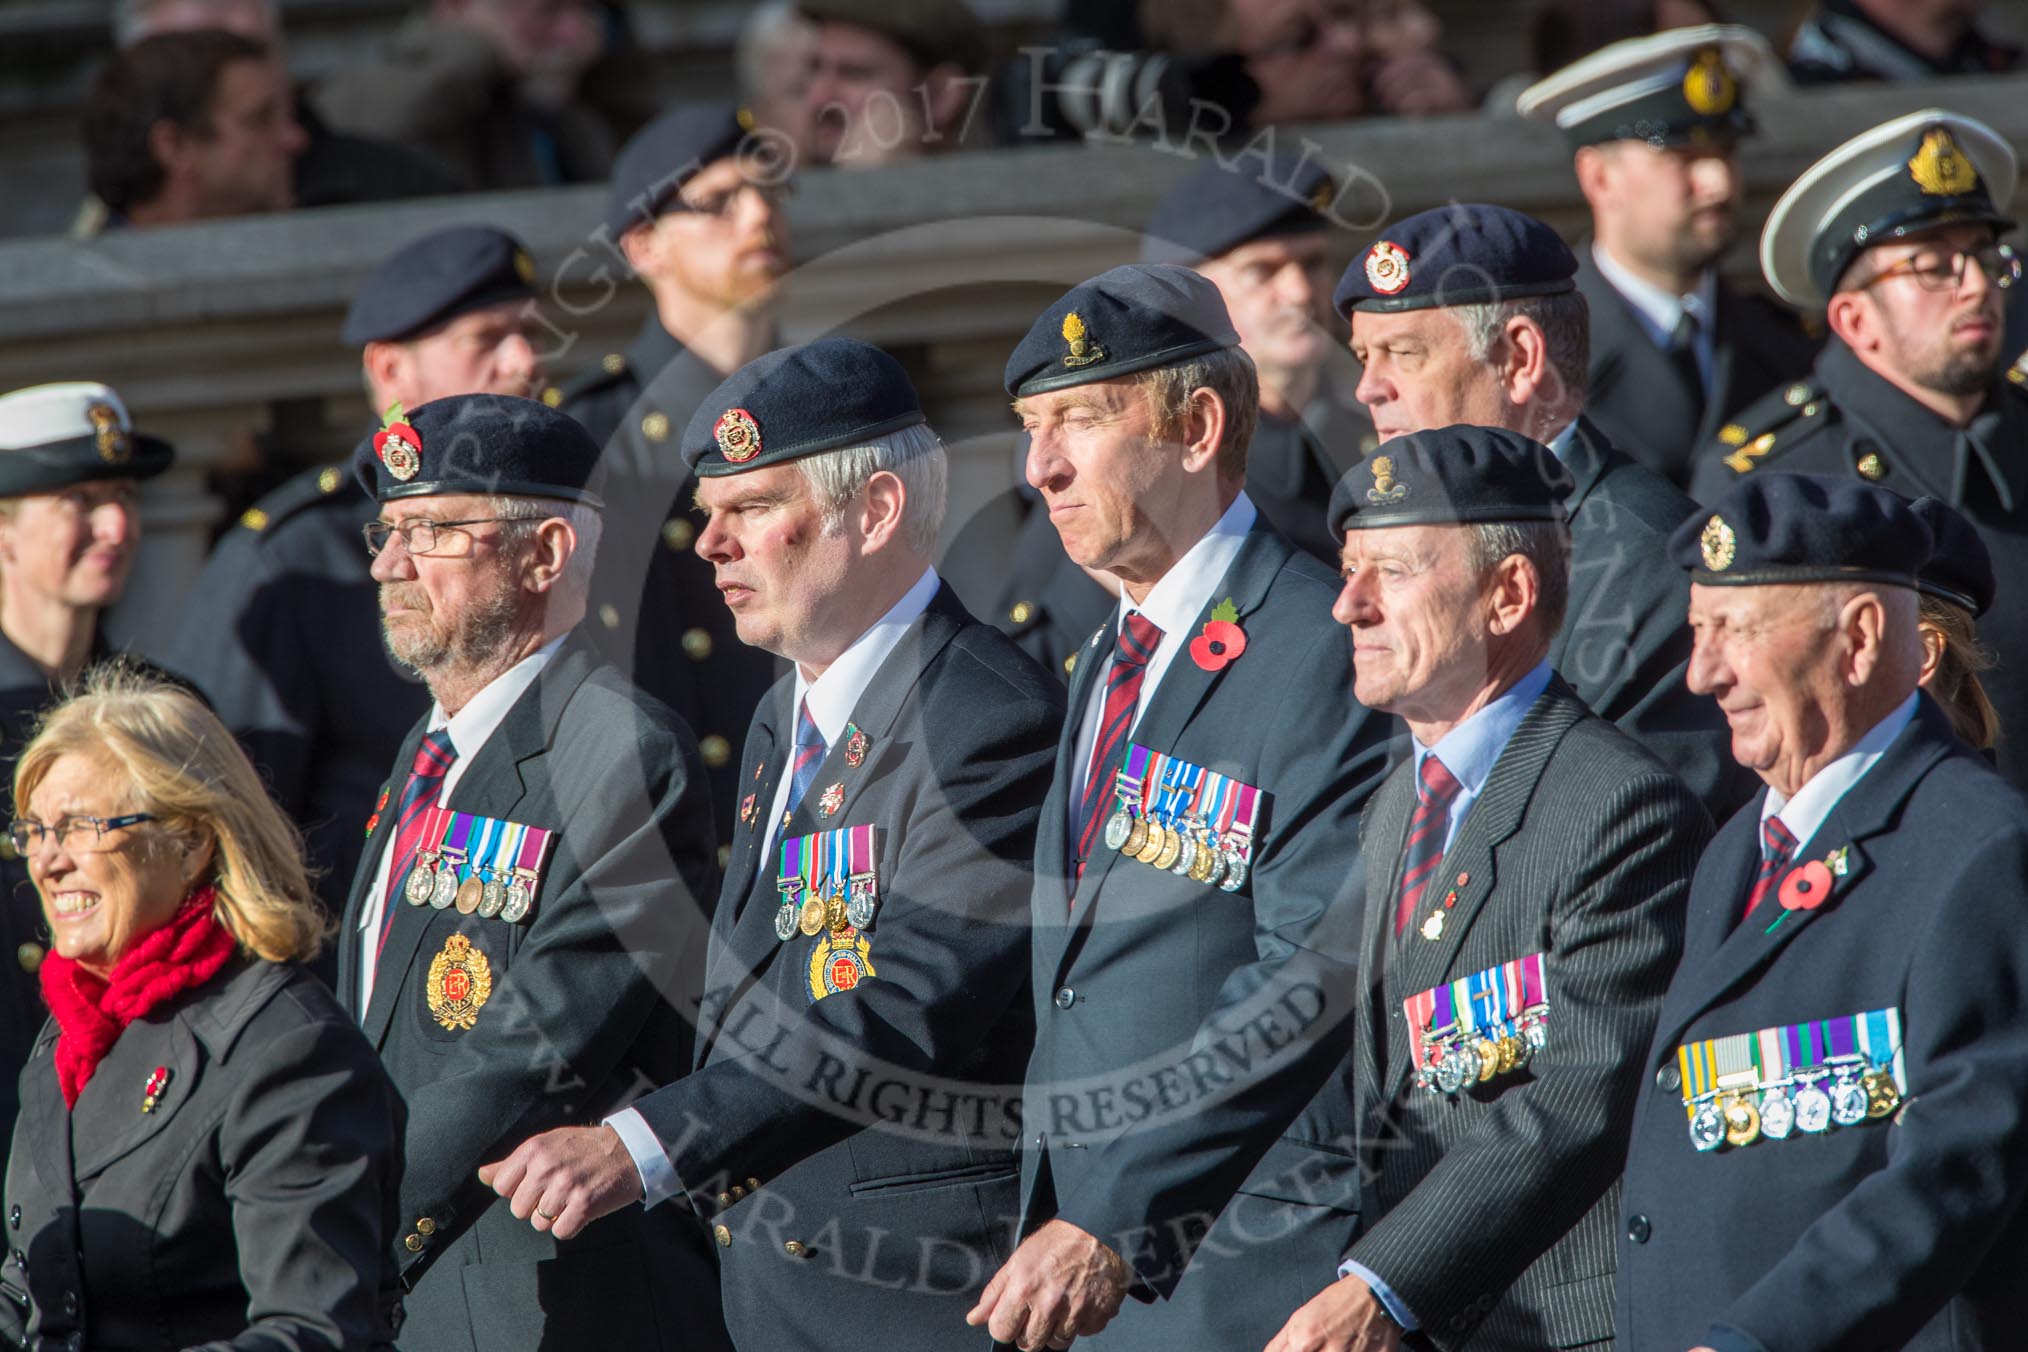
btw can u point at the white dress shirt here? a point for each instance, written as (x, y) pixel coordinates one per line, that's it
(470, 728)
(832, 697)
(1173, 603)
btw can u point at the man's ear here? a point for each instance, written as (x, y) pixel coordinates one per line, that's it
(1513, 594)
(1203, 428)
(1851, 321)
(1863, 621)
(166, 146)
(880, 517)
(641, 246)
(549, 554)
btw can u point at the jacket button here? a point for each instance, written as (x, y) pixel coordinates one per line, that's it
(1669, 1079)
(14, 1217)
(795, 1248)
(413, 1243)
(753, 1185)
(678, 534)
(70, 1303)
(1637, 1229)
(725, 1199)
(426, 1226)
(1022, 612)
(30, 956)
(697, 644)
(717, 752)
(1065, 998)
(722, 1235)
(738, 1193)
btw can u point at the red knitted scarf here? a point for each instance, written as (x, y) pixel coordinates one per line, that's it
(92, 1011)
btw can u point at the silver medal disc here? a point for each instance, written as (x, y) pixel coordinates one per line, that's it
(1707, 1127)
(493, 898)
(1449, 1077)
(1186, 856)
(422, 880)
(859, 907)
(1777, 1114)
(785, 921)
(515, 909)
(1235, 870)
(445, 890)
(1848, 1103)
(1118, 827)
(1813, 1109)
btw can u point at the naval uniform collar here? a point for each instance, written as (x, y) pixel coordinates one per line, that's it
(1937, 453)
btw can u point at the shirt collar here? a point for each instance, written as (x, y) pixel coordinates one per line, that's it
(1174, 602)
(1657, 306)
(483, 714)
(1471, 749)
(1805, 812)
(833, 695)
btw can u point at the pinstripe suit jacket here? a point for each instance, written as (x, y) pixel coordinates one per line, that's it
(1491, 1213)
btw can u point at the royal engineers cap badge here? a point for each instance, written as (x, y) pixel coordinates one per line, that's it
(738, 435)
(398, 445)
(460, 982)
(1387, 267)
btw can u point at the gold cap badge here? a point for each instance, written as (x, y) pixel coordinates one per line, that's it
(460, 983)
(115, 446)
(738, 435)
(1387, 267)
(1323, 197)
(524, 267)
(1940, 168)
(1719, 545)
(1385, 488)
(1083, 351)
(1708, 87)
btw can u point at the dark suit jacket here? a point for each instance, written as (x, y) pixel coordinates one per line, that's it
(1906, 1232)
(282, 633)
(586, 1011)
(877, 1121)
(1491, 1214)
(1625, 643)
(251, 1209)
(1181, 1029)
(1639, 400)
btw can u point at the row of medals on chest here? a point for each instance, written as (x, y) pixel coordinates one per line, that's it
(1476, 1056)
(1731, 1114)
(433, 881)
(824, 908)
(1190, 850)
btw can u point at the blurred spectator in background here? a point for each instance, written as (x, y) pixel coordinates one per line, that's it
(191, 127)
(333, 167)
(1895, 40)
(774, 54)
(1567, 31)
(890, 79)
(491, 87)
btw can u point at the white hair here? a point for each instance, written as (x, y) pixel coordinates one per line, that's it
(915, 455)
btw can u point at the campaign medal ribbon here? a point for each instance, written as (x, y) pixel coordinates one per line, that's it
(529, 853)
(1486, 1024)
(789, 882)
(1129, 822)
(1798, 1077)
(1187, 822)
(1237, 837)
(862, 892)
(501, 847)
(421, 883)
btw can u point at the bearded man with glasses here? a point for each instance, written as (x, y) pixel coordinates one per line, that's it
(1894, 239)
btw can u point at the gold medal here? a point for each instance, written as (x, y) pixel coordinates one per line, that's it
(1172, 846)
(834, 913)
(1151, 846)
(1510, 1055)
(1136, 837)
(1742, 1121)
(1882, 1095)
(813, 915)
(470, 893)
(1204, 867)
(1489, 1058)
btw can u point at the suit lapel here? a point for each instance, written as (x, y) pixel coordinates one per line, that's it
(45, 1120)
(354, 946)
(1389, 813)
(1185, 684)
(1867, 809)
(768, 753)
(1495, 816)
(494, 783)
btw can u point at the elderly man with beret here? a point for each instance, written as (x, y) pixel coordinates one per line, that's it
(537, 881)
(70, 527)
(280, 629)
(1261, 230)
(1470, 314)
(1831, 1149)
(1894, 238)
(1195, 896)
(1525, 882)
(848, 1127)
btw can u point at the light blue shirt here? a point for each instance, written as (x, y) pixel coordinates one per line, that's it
(1469, 751)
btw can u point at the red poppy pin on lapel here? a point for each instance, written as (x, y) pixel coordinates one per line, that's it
(1808, 887)
(151, 1093)
(1222, 641)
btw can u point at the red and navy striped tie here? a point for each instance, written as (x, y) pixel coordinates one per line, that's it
(1434, 789)
(425, 780)
(1777, 850)
(1138, 639)
(809, 753)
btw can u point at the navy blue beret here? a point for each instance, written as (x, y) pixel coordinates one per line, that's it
(1960, 569)
(432, 281)
(1450, 476)
(1780, 528)
(822, 396)
(661, 157)
(480, 443)
(1462, 254)
(1132, 319)
(1224, 205)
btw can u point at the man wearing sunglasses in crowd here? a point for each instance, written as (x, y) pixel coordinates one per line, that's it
(696, 210)
(1894, 237)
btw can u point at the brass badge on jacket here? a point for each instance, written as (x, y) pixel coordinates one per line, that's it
(461, 981)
